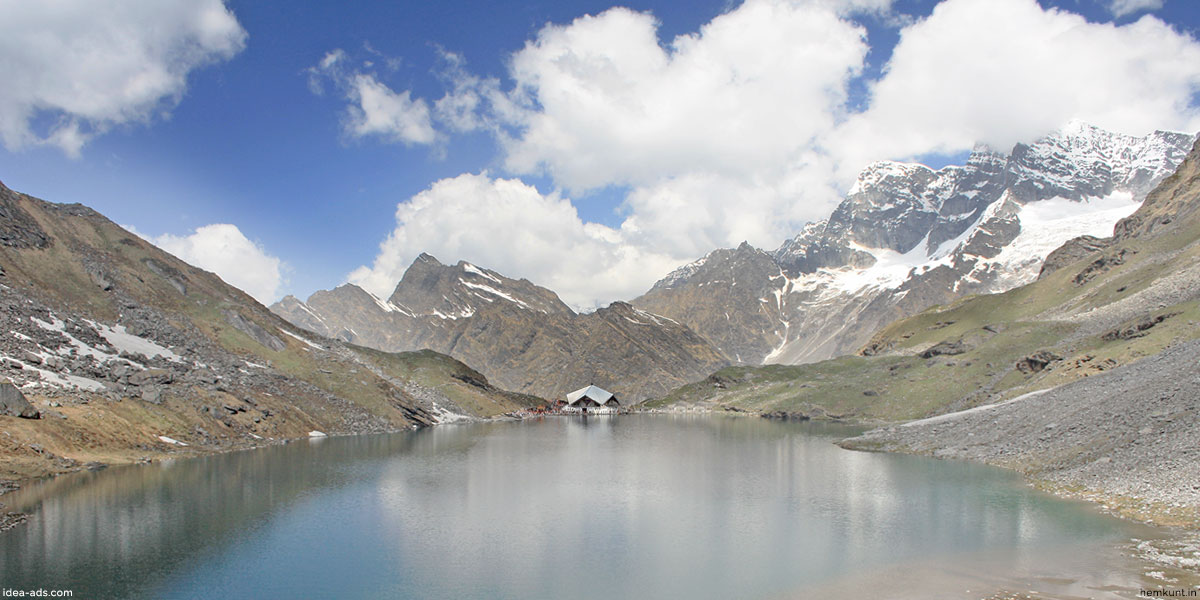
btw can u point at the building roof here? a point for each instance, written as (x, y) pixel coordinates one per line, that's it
(600, 395)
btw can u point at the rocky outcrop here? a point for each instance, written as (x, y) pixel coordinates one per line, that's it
(1037, 361)
(254, 330)
(17, 228)
(1073, 251)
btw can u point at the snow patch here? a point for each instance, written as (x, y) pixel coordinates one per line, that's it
(448, 416)
(124, 341)
(466, 312)
(1048, 224)
(308, 310)
(472, 269)
(171, 441)
(386, 306)
(310, 344)
(891, 269)
(58, 380)
(495, 292)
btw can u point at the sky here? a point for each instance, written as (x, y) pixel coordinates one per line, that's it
(590, 147)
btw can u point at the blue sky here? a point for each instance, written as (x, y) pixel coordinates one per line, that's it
(245, 140)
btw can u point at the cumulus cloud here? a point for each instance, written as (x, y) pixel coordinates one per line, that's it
(223, 249)
(744, 129)
(374, 109)
(750, 89)
(1006, 71)
(84, 67)
(507, 225)
(1120, 8)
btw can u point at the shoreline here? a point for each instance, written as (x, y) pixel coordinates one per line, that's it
(12, 519)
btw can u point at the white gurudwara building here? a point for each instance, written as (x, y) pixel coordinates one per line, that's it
(591, 400)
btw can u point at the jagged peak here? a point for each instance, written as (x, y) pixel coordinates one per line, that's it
(427, 258)
(685, 272)
(878, 172)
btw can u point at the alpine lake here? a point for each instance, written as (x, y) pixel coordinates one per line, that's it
(628, 506)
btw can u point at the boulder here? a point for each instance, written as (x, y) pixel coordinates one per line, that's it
(14, 404)
(151, 377)
(151, 394)
(1037, 361)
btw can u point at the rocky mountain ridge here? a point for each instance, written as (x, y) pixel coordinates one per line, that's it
(908, 237)
(522, 336)
(127, 353)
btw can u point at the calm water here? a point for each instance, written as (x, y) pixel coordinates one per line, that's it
(610, 507)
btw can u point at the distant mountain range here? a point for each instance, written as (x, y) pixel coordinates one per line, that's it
(523, 337)
(906, 237)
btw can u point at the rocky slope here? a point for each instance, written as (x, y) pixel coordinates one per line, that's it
(126, 353)
(1111, 332)
(908, 237)
(519, 335)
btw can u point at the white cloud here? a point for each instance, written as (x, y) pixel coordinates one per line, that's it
(743, 131)
(507, 225)
(85, 66)
(374, 109)
(380, 111)
(607, 104)
(1007, 71)
(1120, 8)
(224, 250)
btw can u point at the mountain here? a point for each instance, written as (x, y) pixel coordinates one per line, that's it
(122, 352)
(908, 237)
(521, 336)
(1084, 379)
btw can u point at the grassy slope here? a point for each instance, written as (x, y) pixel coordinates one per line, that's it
(898, 384)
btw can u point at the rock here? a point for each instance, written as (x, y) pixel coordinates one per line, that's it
(173, 276)
(945, 349)
(785, 416)
(1135, 330)
(254, 330)
(14, 404)
(1074, 250)
(30, 357)
(1100, 265)
(152, 394)
(151, 377)
(1037, 361)
(17, 228)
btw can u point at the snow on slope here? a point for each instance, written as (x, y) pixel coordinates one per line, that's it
(1045, 226)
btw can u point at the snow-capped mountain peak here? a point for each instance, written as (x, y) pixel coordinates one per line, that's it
(907, 236)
